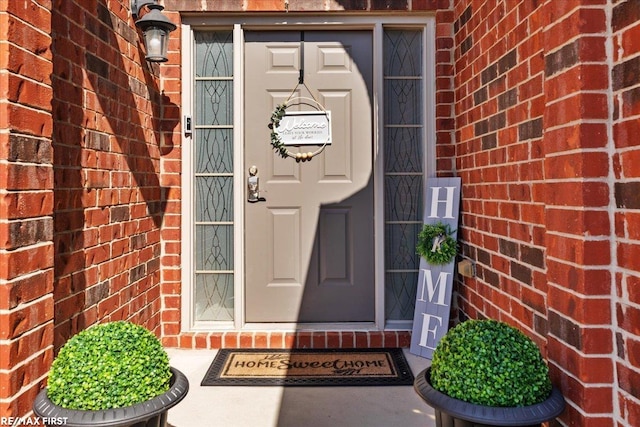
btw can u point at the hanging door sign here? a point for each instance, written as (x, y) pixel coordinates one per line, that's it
(435, 282)
(305, 128)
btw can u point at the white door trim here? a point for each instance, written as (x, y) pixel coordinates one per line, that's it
(187, 233)
(240, 192)
(239, 24)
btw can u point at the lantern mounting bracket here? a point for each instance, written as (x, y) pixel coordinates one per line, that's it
(137, 5)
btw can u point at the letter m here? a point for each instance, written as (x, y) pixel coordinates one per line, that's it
(440, 286)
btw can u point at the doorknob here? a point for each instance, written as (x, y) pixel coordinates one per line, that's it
(253, 185)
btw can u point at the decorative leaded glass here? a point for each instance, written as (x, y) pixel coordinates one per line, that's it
(214, 296)
(403, 167)
(214, 198)
(214, 247)
(213, 176)
(214, 151)
(214, 54)
(403, 106)
(403, 53)
(214, 102)
(400, 288)
(403, 197)
(405, 154)
(401, 247)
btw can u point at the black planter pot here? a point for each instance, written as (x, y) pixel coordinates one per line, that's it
(152, 413)
(452, 412)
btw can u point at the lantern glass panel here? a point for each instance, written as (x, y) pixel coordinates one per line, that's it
(156, 42)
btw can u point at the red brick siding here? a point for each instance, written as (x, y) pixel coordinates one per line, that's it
(109, 197)
(625, 80)
(298, 339)
(306, 5)
(444, 102)
(171, 167)
(543, 196)
(577, 170)
(499, 78)
(536, 109)
(26, 204)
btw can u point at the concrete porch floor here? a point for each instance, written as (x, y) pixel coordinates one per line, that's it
(267, 406)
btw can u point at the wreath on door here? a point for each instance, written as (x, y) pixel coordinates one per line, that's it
(436, 245)
(281, 110)
(276, 118)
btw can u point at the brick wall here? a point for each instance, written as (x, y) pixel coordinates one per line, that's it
(26, 203)
(499, 80)
(108, 114)
(578, 219)
(81, 197)
(171, 168)
(536, 109)
(306, 5)
(550, 188)
(625, 76)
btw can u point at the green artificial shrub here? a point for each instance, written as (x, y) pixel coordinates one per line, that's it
(490, 363)
(110, 365)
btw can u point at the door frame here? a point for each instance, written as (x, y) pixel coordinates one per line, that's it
(238, 24)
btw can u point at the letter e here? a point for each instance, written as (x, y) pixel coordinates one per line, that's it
(426, 322)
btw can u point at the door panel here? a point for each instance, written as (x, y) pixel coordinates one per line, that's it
(285, 253)
(336, 257)
(310, 243)
(336, 163)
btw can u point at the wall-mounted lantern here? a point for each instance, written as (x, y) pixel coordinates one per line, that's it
(155, 27)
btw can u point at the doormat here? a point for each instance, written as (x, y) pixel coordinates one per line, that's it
(309, 367)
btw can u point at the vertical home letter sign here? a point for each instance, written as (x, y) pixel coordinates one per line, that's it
(435, 282)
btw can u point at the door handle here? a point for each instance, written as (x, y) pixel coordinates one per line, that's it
(253, 186)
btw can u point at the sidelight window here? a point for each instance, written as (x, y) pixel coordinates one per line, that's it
(403, 167)
(213, 176)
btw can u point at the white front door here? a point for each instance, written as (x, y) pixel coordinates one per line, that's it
(309, 244)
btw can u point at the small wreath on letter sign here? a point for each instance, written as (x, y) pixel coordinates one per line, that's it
(436, 245)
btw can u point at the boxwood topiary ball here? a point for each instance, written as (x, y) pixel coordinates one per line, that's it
(490, 363)
(107, 366)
